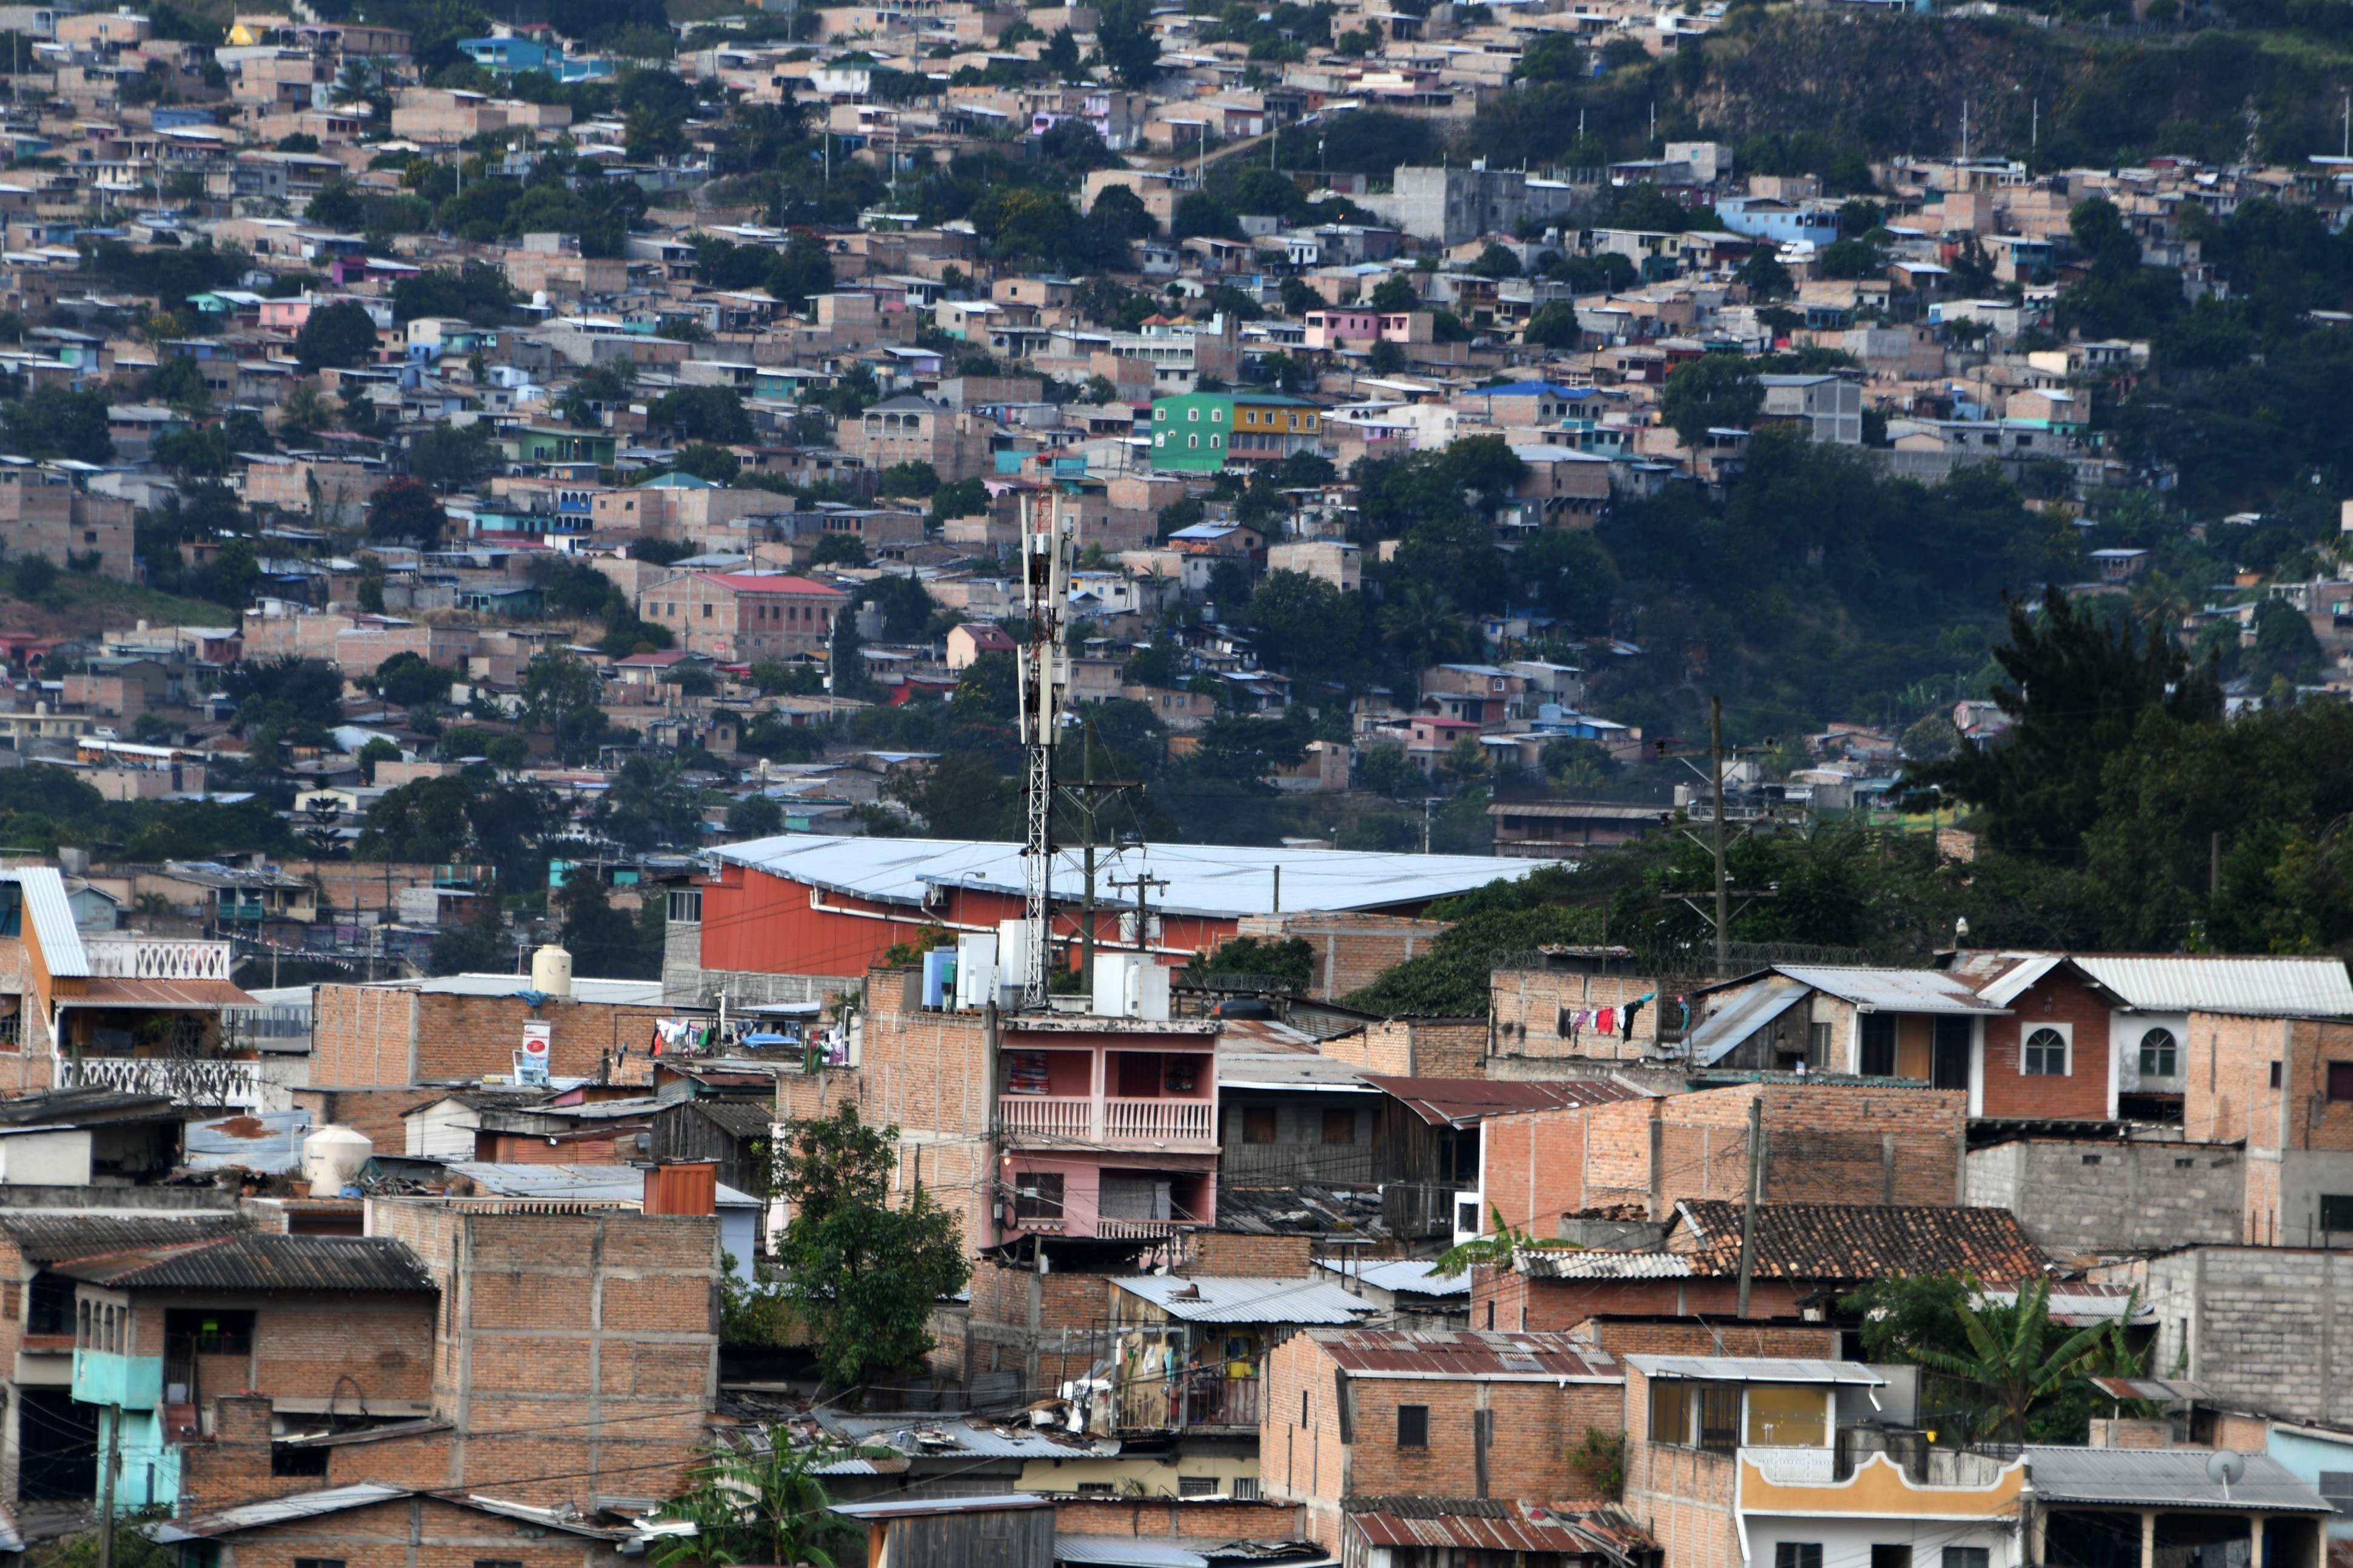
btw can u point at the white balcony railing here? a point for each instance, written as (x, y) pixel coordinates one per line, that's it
(157, 957)
(1113, 1229)
(1794, 1466)
(1077, 1120)
(1159, 1121)
(189, 1081)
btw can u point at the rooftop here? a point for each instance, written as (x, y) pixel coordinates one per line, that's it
(263, 1262)
(1467, 1356)
(1241, 1300)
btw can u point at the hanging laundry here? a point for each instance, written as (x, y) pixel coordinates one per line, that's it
(1606, 1020)
(1635, 1006)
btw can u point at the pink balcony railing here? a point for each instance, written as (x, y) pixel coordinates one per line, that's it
(1159, 1121)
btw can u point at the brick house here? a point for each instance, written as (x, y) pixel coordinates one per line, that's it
(1356, 1416)
(744, 616)
(1806, 1255)
(305, 1322)
(1824, 1142)
(2282, 1088)
(912, 430)
(392, 1035)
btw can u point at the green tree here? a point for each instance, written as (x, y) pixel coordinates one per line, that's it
(1712, 392)
(377, 750)
(1396, 294)
(864, 1277)
(2074, 694)
(2008, 1358)
(764, 1505)
(603, 940)
(2285, 646)
(451, 457)
(754, 816)
(408, 680)
(713, 413)
(405, 511)
(1554, 326)
(1124, 34)
(342, 334)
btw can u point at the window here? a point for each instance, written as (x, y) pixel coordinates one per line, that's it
(1798, 1554)
(706, 612)
(1193, 442)
(1818, 1044)
(1186, 1486)
(2337, 1211)
(1719, 1416)
(1670, 1412)
(2160, 1057)
(292, 1459)
(1217, 416)
(1339, 1127)
(1965, 1557)
(1466, 1217)
(1258, 1124)
(1303, 1408)
(1216, 440)
(2336, 1486)
(1037, 1195)
(1413, 1426)
(1878, 1045)
(1194, 414)
(2340, 1080)
(1786, 1416)
(2276, 1075)
(319, 1562)
(1246, 1488)
(215, 1333)
(2045, 1055)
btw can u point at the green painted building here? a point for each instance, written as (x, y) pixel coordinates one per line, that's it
(542, 444)
(1201, 432)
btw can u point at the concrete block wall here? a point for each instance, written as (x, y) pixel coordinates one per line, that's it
(2267, 1328)
(1528, 1003)
(2112, 1196)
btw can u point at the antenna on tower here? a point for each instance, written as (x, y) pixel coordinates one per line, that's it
(1045, 583)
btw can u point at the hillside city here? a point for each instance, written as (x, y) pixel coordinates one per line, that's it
(1378, 784)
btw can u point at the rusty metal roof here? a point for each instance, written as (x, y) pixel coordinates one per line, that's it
(1856, 1241)
(1465, 1101)
(1486, 1357)
(112, 993)
(1485, 1524)
(262, 1262)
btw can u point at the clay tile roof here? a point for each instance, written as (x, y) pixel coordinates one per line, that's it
(1856, 1241)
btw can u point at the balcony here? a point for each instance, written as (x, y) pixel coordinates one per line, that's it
(151, 958)
(228, 1084)
(1163, 1124)
(128, 1381)
(1794, 1466)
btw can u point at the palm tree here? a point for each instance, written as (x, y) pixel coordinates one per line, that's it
(1423, 623)
(2008, 1360)
(760, 1507)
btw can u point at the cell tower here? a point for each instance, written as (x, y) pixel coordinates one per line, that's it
(1046, 583)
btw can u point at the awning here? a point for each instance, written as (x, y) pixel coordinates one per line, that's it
(1751, 1011)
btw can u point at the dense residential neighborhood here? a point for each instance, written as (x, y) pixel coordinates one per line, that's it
(1431, 784)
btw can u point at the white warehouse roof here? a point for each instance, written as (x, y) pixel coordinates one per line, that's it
(1215, 879)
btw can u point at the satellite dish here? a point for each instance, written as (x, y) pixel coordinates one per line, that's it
(2226, 1469)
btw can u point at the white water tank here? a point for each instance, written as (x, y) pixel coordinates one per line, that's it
(332, 1158)
(551, 971)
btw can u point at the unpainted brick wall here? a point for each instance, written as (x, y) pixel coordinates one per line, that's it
(370, 1037)
(1351, 951)
(1683, 1496)
(1041, 1329)
(1217, 1252)
(2058, 998)
(578, 1353)
(1197, 1518)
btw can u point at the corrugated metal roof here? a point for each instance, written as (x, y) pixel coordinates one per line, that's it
(1464, 1101)
(2165, 1388)
(1202, 878)
(1562, 1263)
(109, 992)
(278, 1511)
(1485, 1524)
(2176, 1478)
(85, 1108)
(1755, 1369)
(580, 1183)
(49, 918)
(584, 988)
(2179, 982)
(1408, 1275)
(1126, 1552)
(1747, 1013)
(961, 1438)
(1892, 990)
(1485, 1357)
(264, 1262)
(48, 1238)
(270, 1143)
(924, 1508)
(1220, 1300)
(2222, 985)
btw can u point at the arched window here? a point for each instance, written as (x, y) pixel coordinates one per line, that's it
(2045, 1055)
(2160, 1055)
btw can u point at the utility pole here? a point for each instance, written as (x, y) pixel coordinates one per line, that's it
(1429, 803)
(106, 1487)
(1143, 882)
(1716, 771)
(1084, 795)
(1756, 1184)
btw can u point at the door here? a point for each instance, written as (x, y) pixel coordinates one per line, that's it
(56, 1442)
(1952, 1053)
